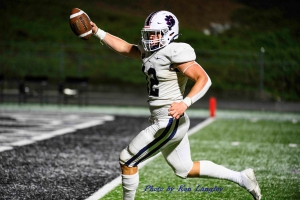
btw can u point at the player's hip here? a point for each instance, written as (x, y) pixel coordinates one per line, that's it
(164, 124)
(160, 112)
(164, 132)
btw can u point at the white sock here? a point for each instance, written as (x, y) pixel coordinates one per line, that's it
(130, 184)
(210, 169)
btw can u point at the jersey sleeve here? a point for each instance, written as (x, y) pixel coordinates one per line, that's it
(140, 47)
(182, 52)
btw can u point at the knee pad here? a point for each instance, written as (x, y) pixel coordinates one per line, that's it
(179, 158)
(182, 176)
(182, 167)
(182, 162)
(124, 156)
(183, 170)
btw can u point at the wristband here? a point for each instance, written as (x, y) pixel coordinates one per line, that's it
(187, 101)
(100, 34)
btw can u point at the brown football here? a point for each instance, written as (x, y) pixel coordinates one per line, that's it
(80, 24)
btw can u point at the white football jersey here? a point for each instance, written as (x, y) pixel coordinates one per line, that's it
(165, 84)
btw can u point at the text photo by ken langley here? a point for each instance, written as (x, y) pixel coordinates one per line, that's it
(183, 188)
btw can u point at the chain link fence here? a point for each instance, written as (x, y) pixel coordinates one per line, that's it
(251, 74)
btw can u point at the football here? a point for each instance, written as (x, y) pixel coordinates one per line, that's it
(80, 24)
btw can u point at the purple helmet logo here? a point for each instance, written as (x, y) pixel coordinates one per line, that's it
(170, 21)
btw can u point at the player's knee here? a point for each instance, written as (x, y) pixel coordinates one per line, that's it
(124, 156)
(182, 176)
(183, 169)
(182, 173)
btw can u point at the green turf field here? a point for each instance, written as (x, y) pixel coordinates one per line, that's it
(270, 147)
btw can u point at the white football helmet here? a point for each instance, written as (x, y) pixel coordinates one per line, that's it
(163, 26)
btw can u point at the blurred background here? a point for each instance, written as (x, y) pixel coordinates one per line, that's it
(250, 49)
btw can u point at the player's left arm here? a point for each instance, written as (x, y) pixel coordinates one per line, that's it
(202, 81)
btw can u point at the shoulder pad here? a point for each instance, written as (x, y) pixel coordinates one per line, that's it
(182, 52)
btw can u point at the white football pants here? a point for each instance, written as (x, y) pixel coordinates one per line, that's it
(165, 134)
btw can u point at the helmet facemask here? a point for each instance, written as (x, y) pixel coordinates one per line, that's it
(154, 39)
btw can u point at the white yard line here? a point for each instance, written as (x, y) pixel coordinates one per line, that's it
(48, 135)
(117, 181)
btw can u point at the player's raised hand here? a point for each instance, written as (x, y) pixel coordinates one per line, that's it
(94, 27)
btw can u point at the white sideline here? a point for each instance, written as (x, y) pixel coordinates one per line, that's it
(117, 181)
(45, 136)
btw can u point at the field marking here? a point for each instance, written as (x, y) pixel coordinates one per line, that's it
(293, 145)
(43, 127)
(48, 135)
(293, 117)
(5, 148)
(235, 143)
(117, 181)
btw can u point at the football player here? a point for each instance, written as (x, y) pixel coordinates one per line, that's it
(168, 65)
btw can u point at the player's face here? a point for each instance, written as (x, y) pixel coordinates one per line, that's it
(155, 36)
(152, 39)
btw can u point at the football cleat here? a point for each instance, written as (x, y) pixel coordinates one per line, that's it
(249, 182)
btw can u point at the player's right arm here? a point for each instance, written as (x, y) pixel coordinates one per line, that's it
(117, 44)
